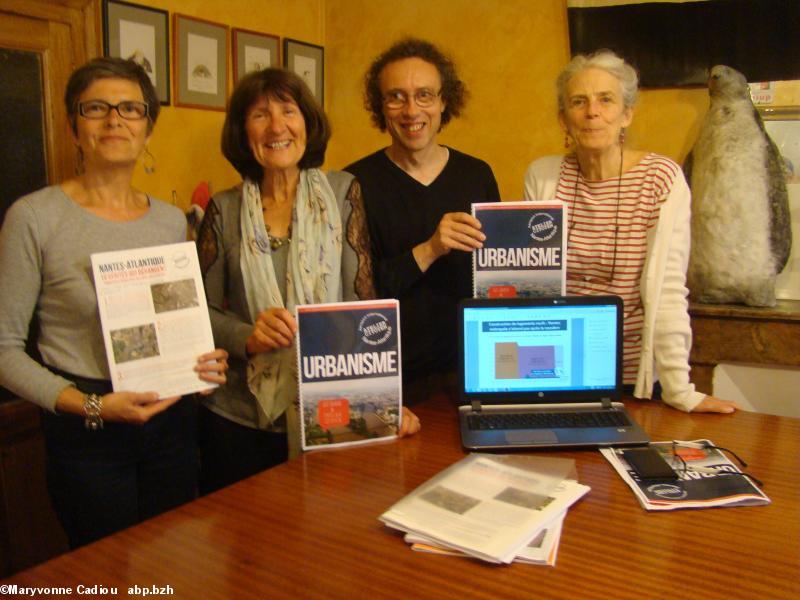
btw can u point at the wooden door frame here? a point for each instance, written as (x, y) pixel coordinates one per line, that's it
(69, 34)
(82, 41)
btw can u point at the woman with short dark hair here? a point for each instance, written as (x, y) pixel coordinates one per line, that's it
(110, 68)
(289, 234)
(285, 86)
(113, 458)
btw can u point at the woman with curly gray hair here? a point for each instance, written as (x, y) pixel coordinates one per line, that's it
(628, 226)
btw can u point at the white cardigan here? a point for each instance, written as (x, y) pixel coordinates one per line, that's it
(667, 333)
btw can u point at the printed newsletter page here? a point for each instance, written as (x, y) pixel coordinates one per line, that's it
(556, 348)
(154, 316)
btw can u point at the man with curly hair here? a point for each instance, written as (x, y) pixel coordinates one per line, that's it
(417, 194)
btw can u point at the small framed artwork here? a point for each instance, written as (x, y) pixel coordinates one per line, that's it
(141, 34)
(253, 51)
(308, 61)
(201, 65)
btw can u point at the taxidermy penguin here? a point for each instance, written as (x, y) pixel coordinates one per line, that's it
(741, 227)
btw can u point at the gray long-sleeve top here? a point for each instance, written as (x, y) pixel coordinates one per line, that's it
(45, 244)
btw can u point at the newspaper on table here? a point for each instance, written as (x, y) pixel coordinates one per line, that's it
(709, 479)
(541, 550)
(488, 506)
(154, 317)
(349, 371)
(524, 253)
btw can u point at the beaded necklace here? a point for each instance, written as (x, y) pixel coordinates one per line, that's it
(276, 242)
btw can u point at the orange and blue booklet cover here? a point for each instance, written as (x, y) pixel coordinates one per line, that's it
(349, 372)
(524, 253)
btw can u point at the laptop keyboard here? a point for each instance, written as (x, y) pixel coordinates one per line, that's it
(546, 420)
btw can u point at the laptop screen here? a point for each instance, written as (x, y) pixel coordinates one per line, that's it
(541, 349)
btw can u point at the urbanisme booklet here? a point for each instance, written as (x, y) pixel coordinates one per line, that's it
(524, 253)
(348, 357)
(489, 506)
(706, 478)
(154, 317)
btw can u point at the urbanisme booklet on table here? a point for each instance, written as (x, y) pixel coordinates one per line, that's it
(489, 506)
(348, 357)
(154, 317)
(706, 478)
(524, 253)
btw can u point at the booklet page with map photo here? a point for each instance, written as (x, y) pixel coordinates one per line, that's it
(349, 371)
(154, 317)
(524, 253)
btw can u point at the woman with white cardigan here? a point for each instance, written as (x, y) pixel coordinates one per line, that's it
(628, 219)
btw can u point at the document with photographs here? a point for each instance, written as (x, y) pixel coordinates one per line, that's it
(524, 254)
(348, 357)
(706, 477)
(155, 319)
(541, 550)
(489, 506)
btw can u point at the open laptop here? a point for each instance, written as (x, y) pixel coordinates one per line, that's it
(557, 357)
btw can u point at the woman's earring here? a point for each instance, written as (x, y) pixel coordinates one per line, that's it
(79, 167)
(149, 162)
(566, 141)
(622, 136)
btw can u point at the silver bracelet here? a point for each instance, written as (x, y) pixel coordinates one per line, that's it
(92, 406)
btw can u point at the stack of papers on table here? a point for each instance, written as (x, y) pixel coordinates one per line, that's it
(706, 478)
(499, 508)
(541, 550)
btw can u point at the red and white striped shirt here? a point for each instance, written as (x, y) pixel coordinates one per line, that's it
(608, 221)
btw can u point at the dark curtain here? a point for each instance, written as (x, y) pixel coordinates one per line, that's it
(676, 44)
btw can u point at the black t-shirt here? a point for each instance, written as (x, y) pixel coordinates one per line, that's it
(402, 213)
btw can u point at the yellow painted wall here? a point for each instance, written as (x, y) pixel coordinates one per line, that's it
(787, 93)
(185, 142)
(509, 53)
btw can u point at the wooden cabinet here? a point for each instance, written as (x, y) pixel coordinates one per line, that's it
(29, 530)
(726, 333)
(62, 34)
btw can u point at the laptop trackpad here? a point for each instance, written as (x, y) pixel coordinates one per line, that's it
(538, 436)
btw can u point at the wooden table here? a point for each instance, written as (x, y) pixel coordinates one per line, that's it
(309, 529)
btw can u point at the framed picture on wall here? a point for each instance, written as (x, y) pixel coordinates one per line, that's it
(253, 51)
(201, 63)
(308, 61)
(141, 34)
